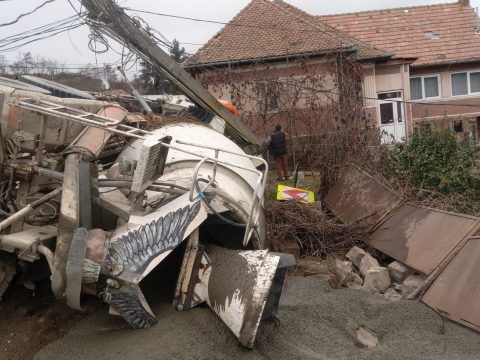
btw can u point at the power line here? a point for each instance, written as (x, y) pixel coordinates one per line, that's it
(28, 13)
(61, 30)
(41, 28)
(39, 33)
(264, 27)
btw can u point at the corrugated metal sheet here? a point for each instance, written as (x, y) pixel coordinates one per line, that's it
(456, 291)
(422, 237)
(358, 196)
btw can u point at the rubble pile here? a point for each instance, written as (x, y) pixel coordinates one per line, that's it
(360, 270)
(363, 271)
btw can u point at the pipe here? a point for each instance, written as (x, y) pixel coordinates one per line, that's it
(54, 175)
(25, 245)
(45, 251)
(137, 95)
(28, 209)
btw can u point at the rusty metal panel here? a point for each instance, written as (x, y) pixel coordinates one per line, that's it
(422, 237)
(358, 196)
(455, 293)
(94, 139)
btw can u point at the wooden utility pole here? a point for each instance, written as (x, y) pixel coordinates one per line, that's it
(113, 21)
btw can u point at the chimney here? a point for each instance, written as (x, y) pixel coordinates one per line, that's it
(464, 2)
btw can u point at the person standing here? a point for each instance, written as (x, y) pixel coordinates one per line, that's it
(277, 146)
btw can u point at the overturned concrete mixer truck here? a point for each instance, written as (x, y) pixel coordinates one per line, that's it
(105, 204)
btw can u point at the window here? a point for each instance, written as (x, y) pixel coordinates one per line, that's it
(424, 87)
(427, 126)
(459, 84)
(465, 83)
(390, 95)
(386, 113)
(400, 111)
(458, 126)
(267, 97)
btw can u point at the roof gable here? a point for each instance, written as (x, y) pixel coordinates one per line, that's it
(266, 29)
(434, 34)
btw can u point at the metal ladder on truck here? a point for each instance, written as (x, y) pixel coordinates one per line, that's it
(117, 127)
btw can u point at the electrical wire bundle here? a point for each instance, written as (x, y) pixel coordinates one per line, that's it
(15, 42)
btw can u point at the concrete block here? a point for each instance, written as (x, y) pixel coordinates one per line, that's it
(398, 271)
(368, 262)
(355, 255)
(377, 280)
(411, 283)
(354, 282)
(345, 274)
(367, 337)
(392, 294)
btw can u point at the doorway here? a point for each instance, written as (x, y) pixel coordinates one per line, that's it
(391, 116)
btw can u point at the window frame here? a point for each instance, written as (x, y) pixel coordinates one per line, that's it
(468, 72)
(439, 86)
(265, 106)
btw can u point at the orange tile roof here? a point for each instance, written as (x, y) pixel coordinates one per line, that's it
(272, 28)
(433, 34)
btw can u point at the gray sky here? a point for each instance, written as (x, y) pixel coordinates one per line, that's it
(61, 46)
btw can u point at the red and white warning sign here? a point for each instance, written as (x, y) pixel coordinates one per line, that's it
(290, 193)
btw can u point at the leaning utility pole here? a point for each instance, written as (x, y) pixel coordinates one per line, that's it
(108, 17)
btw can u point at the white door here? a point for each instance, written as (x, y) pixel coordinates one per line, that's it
(391, 116)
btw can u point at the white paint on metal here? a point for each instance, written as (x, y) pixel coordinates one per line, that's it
(203, 136)
(211, 154)
(242, 311)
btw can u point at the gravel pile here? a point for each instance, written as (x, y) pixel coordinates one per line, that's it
(314, 322)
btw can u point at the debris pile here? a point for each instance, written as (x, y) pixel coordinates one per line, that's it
(307, 225)
(435, 252)
(108, 197)
(394, 280)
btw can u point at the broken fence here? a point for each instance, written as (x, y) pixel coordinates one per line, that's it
(436, 243)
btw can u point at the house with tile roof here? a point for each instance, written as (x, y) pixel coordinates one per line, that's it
(444, 80)
(420, 65)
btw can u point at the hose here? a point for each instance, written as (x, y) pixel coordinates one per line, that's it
(205, 200)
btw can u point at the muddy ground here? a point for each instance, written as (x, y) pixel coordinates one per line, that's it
(28, 323)
(314, 322)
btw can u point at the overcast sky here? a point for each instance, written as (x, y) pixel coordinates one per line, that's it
(72, 48)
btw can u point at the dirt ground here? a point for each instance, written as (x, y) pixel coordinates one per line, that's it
(314, 322)
(28, 323)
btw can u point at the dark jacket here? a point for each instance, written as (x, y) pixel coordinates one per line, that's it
(278, 143)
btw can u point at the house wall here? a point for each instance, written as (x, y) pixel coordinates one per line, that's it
(244, 81)
(378, 78)
(443, 112)
(388, 78)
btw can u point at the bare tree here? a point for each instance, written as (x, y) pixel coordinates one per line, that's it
(25, 64)
(3, 65)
